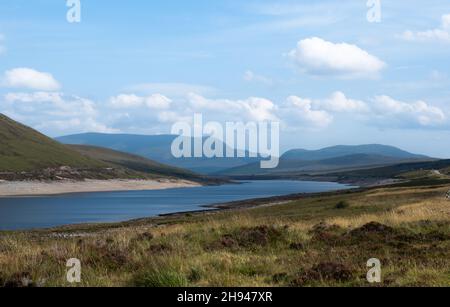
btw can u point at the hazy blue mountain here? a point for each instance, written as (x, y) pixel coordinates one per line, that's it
(158, 148)
(331, 159)
(155, 147)
(341, 150)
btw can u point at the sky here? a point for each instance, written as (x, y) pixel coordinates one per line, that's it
(330, 72)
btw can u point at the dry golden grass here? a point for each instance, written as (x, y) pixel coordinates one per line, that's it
(428, 210)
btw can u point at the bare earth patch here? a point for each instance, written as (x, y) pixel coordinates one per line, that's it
(36, 188)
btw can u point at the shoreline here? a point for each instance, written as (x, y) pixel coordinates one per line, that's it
(40, 188)
(203, 209)
(207, 209)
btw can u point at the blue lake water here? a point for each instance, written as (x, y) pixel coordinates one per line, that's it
(50, 211)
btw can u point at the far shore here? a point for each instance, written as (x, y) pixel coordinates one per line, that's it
(41, 188)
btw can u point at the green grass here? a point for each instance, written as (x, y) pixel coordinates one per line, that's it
(24, 149)
(144, 166)
(305, 242)
(160, 278)
(26, 154)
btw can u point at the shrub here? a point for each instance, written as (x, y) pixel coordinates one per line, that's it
(342, 205)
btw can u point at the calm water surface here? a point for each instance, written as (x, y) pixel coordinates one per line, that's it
(42, 212)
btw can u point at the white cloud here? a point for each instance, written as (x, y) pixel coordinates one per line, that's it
(250, 109)
(27, 78)
(441, 34)
(55, 113)
(338, 102)
(382, 111)
(300, 112)
(407, 114)
(319, 57)
(53, 97)
(294, 113)
(144, 120)
(158, 101)
(125, 101)
(130, 101)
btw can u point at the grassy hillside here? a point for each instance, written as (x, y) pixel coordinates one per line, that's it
(24, 149)
(320, 240)
(314, 167)
(136, 163)
(26, 154)
(402, 170)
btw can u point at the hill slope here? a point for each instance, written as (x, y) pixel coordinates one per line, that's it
(154, 147)
(24, 149)
(26, 154)
(331, 159)
(137, 163)
(342, 150)
(287, 166)
(411, 170)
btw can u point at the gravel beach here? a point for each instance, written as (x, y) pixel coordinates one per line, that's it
(35, 188)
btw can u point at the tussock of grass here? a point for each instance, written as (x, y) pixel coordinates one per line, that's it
(160, 278)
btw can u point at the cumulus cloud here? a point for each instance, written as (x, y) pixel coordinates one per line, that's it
(338, 102)
(300, 111)
(155, 113)
(129, 101)
(27, 78)
(441, 34)
(54, 113)
(125, 101)
(407, 114)
(316, 56)
(294, 113)
(381, 111)
(250, 109)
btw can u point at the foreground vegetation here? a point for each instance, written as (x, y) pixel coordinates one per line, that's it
(320, 240)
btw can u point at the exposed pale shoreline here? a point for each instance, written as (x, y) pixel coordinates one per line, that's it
(38, 188)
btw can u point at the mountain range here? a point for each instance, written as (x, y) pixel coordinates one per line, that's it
(27, 154)
(331, 159)
(334, 158)
(158, 148)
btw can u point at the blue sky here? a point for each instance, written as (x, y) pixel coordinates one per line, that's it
(321, 68)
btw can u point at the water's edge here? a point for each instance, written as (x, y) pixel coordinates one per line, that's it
(115, 207)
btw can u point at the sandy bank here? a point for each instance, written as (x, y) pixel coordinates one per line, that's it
(35, 188)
